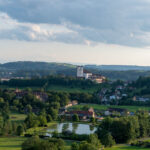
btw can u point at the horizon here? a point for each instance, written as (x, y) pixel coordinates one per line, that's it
(71, 63)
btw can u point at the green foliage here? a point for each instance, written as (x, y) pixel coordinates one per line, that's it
(20, 130)
(124, 129)
(92, 143)
(49, 118)
(108, 140)
(75, 117)
(86, 146)
(35, 143)
(92, 120)
(75, 146)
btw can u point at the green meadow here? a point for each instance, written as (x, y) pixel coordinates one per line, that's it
(105, 107)
(126, 147)
(17, 117)
(11, 143)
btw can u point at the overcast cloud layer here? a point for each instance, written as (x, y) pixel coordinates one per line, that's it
(122, 22)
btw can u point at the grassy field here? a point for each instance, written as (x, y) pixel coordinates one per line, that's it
(126, 147)
(11, 143)
(105, 107)
(14, 143)
(39, 130)
(17, 117)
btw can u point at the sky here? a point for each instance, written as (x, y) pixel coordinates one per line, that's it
(76, 31)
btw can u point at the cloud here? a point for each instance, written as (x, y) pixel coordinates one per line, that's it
(122, 22)
(12, 29)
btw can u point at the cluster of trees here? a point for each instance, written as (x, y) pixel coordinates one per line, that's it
(92, 143)
(124, 129)
(50, 80)
(33, 120)
(142, 144)
(35, 143)
(29, 102)
(7, 127)
(85, 97)
(142, 86)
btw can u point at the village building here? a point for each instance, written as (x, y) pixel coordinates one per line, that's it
(81, 114)
(71, 103)
(142, 99)
(112, 111)
(39, 95)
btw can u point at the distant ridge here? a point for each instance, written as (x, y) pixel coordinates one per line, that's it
(119, 67)
(40, 69)
(33, 65)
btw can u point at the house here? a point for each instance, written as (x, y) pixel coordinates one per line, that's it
(112, 97)
(82, 114)
(122, 111)
(99, 119)
(87, 74)
(142, 99)
(120, 87)
(107, 113)
(20, 94)
(62, 111)
(124, 95)
(41, 96)
(71, 103)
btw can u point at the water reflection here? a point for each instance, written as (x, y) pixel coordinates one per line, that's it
(73, 127)
(65, 127)
(92, 127)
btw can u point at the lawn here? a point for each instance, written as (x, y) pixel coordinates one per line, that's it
(39, 130)
(17, 117)
(11, 143)
(105, 107)
(126, 147)
(14, 143)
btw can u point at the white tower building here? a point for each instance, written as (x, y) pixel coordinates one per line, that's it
(80, 72)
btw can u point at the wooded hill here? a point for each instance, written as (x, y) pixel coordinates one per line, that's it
(32, 69)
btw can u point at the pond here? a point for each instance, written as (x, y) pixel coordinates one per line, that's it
(77, 128)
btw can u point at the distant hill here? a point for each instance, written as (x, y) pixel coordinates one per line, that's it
(29, 65)
(118, 67)
(32, 69)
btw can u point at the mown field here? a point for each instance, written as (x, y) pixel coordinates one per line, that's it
(58, 88)
(17, 117)
(11, 143)
(105, 107)
(126, 147)
(14, 143)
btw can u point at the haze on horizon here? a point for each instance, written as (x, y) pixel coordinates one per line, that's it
(79, 31)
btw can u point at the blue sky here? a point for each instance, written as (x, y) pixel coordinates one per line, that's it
(97, 31)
